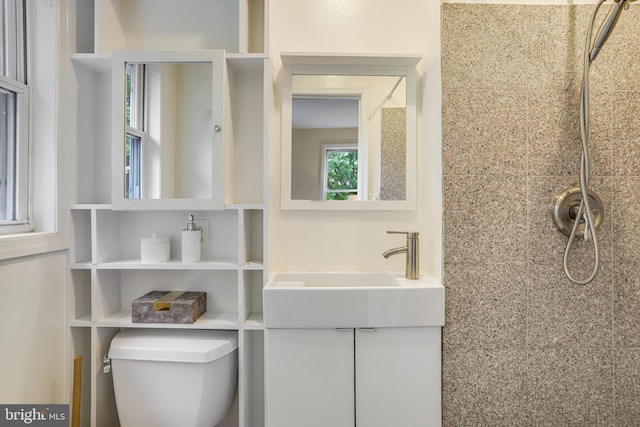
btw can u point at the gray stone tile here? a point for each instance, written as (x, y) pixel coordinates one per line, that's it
(463, 60)
(562, 314)
(553, 133)
(626, 304)
(484, 219)
(626, 219)
(571, 387)
(473, 145)
(554, 141)
(485, 388)
(627, 389)
(481, 47)
(495, 94)
(601, 128)
(485, 306)
(556, 45)
(626, 133)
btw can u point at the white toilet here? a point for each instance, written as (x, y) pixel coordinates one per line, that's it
(173, 377)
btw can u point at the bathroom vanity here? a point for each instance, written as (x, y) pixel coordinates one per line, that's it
(331, 377)
(343, 347)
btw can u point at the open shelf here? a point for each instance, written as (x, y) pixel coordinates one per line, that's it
(209, 320)
(82, 322)
(96, 62)
(136, 264)
(82, 265)
(255, 322)
(105, 25)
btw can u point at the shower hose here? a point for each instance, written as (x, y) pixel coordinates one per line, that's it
(585, 207)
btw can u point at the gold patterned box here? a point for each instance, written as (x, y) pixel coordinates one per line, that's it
(169, 307)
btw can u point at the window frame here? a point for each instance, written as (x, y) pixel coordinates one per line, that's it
(48, 166)
(14, 62)
(22, 221)
(137, 170)
(13, 78)
(137, 96)
(135, 127)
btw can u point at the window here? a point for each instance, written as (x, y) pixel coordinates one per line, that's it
(133, 164)
(14, 110)
(134, 131)
(340, 172)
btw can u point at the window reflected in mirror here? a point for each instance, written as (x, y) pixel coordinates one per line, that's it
(134, 130)
(168, 130)
(348, 137)
(340, 173)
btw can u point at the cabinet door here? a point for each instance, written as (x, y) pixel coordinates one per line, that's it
(310, 378)
(398, 377)
(174, 155)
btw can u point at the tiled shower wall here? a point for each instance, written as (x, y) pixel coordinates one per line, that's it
(522, 345)
(393, 151)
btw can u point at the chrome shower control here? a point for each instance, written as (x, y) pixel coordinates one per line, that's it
(565, 209)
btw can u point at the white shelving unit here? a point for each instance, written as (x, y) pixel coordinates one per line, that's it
(106, 272)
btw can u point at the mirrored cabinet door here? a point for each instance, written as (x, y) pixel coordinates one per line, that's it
(169, 138)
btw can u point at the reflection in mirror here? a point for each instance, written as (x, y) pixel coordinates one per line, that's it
(325, 146)
(168, 130)
(348, 137)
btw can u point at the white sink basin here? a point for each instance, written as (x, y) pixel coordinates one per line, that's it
(351, 300)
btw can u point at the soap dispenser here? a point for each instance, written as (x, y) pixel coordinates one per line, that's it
(191, 241)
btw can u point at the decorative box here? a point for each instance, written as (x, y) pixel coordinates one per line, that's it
(169, 307)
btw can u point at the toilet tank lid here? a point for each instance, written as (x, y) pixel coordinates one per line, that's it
(172, 345)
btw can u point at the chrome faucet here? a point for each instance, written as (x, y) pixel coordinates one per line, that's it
(412, 267)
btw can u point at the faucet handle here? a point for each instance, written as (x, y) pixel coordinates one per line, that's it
(410, 234)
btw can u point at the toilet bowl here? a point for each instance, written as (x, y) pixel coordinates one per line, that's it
(170, 377)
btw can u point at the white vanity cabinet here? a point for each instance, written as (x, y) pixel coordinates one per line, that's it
(369, 377)
(398, 377)
(310, 378)
(106, 272)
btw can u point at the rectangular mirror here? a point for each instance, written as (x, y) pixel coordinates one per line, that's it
(168, 130)
(348, 133)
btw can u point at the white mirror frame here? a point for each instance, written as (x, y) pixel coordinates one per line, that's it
(347, 64)
(220, 146)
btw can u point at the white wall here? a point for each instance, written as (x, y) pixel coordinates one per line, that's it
(355, 240)
(32, 329)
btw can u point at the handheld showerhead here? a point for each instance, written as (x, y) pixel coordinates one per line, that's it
(608, 25)
(585, 213)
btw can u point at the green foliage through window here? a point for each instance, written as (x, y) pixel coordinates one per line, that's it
(342, 173)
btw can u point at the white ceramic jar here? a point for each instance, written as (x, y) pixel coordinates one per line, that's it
(154, 249)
